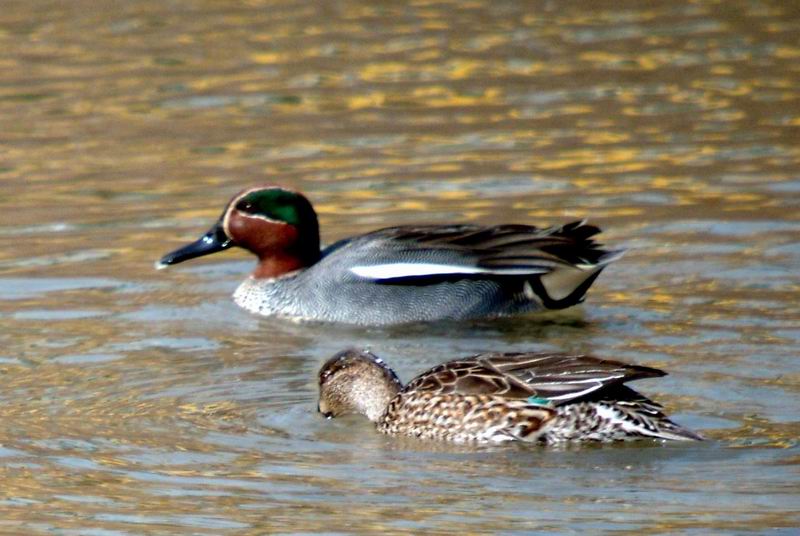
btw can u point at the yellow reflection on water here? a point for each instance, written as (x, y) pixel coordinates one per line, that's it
(149, 396)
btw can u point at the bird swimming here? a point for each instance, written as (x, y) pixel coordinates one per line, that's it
(395, 275)
(497, 397)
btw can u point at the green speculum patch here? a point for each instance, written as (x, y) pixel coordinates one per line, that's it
(539, 401)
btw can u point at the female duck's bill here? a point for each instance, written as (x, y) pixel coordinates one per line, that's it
(496, 397)
(398, 274)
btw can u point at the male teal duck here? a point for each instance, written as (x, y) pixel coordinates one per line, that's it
(397, 274)
(496, 397)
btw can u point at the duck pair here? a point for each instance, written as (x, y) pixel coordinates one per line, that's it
(439, 272)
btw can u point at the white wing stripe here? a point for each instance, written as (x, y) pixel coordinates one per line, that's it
(594, 379)
(575, 394)
(412, 269)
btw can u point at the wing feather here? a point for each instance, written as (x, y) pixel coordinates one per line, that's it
(396, 253)
(560, 378)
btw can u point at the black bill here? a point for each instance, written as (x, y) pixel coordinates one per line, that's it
(211, 242)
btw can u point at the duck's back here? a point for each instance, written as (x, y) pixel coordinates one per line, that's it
(424, 273)
(546, 398)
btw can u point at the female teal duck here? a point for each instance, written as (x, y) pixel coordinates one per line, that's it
(494, 397)
(398, 274)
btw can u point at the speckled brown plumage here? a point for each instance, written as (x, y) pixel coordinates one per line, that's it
(547, 398)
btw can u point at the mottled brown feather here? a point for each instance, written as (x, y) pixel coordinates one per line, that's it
(522, 375)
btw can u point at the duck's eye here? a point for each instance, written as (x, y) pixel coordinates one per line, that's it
(244, 206)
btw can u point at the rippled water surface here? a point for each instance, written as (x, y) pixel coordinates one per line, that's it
(142, 402)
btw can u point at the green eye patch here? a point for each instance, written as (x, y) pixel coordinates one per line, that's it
(274, 204)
